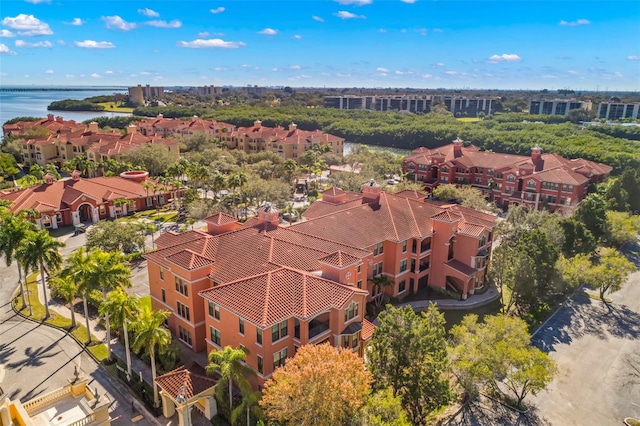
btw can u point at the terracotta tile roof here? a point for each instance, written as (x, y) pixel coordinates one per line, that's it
(412, 194)
(171, 238)
(446, 216)
(561, 175)
(461, 267)
(367, 329)
(323, 207)
(189, 260)
(333, 191)
(174, 383)
(280, 294)
(220, 219)
(340, 259)
(470, 229)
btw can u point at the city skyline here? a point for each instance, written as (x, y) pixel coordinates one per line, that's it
(343, 43)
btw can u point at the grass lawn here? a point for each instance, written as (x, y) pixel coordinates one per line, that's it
(98, 349)
(113, 107)
(469, 119)
(62, 230)
(163, 216)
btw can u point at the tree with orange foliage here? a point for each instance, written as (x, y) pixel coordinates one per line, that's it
(320, 385)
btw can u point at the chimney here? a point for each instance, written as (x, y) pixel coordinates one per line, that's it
(371, 192)
(131, 128)
(268, 213)
(93, 127)
(536, 153)
(293, 127)
(59, 119)
(257, 124)
(75, 175)
(194, 118)
(160, 115)
(49, 178)
(457, 148)
(49, 117)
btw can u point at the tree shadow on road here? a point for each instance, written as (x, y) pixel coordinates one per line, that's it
(581, 316)
(484, 411)
(5, 352)
(35, 357)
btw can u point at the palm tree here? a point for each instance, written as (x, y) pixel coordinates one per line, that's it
(380, 282)
(77, 269)
(40, 250)
(12, 232)
(218, 183)
(107, 271)
(68, 289)
(228, 364)
(289, 168)
(151, 334)
(122, 309)
(250, 404)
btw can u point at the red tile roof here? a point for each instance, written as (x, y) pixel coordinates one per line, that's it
(274, 296)
(367, 329)
(220, 219)
(174, 383)
(340, 259)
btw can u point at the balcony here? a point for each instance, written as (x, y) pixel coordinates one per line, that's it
(423, 267)
(425, 245)
(316, 328)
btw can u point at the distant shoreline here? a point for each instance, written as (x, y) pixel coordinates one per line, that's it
(87, 110)
(62, 89)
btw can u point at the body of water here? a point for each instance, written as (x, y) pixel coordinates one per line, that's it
(34, 103)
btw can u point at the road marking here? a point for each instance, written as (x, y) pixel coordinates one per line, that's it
(137, 419)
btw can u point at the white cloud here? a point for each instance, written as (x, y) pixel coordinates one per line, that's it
(383, 70)
(343, 14)
(62, 42)
(144, 73)
(354, 2)
(297, 37)
(609, 75)
(426, 76)
(438, 30)
(440, 64)
(4, 50)
(38, 1)
(575, 23)
(149, 13)
(203, 34)
(343, 75)
(382, 30)
(164, 24)
(572, 72)
(268, 31)
(408, 1)
(217, 10)
(295, 67)
(22, 43)
(118, 23)
(218, 69)
(422, 31)
(451, 72)
(76, 22)
(70, 76)
(214, 43)
(48, 72)
(6, 33)
(317, 18)
(505, 57)
(398, 72)
(633, 58)
(91, 44)
(27, 25)
(108, 72)
(96, 75)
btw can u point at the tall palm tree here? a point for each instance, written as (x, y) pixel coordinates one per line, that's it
(250, 404)
(122, 309)
(13, 231)
(380, 282)
(228, 364)
(68, 289)
(218, 183)
(151, 334)
(107, 271)
(40, 251)
(77, 268)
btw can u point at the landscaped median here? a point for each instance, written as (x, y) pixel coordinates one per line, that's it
(96, 348)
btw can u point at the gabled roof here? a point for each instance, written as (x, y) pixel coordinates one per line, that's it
(340, 259)
(189, 260)
(274, 296)
(176, 381)
(220, 219)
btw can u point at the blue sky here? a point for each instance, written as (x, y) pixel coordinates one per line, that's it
(504, 44)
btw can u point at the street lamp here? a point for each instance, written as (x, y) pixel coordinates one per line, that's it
(183, 397)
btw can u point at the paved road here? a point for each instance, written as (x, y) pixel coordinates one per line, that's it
(36, 359)
(596, 348)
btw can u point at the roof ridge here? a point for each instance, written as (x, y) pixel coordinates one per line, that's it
(413, 215)
(267, 290)
(393, 222)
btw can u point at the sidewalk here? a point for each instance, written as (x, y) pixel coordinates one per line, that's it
(473, 301)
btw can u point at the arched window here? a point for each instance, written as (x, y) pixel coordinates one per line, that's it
(531, 184)
(445, 169)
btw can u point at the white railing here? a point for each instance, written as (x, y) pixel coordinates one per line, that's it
(86, 421)
(44, 400)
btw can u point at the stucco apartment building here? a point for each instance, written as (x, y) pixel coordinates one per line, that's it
(539, 181)
(96, 145)
(53, 125)
(174, 127)
(78, 200)
(272, 289)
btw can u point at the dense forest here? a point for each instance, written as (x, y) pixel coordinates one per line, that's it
(617, 146)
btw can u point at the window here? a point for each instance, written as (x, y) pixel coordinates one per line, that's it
(260, 364)
(531, 184)
(351, 312)
(414, 246)
(403, 265)
(345, 341)
(359, 268)
(404, 246)
(355, 340)
(215, 335)
(279, 358)
(241, 325)
(214, 310)
(259, 336)
(162, 274)
(482, 240)
(511, 178)
(183, 311)
(279, 331)
(164, 296)
(181, 287)
(185, 335)
(359, 284)
(445, 169)
(402, 286)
